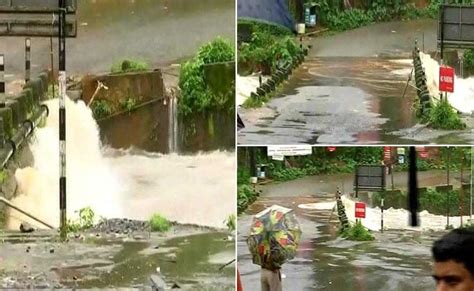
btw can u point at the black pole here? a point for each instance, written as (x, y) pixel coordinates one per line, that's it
(441, 21)
(413, 203)
(27, 60)
(253, 162)
(62, 117)
(447, 192)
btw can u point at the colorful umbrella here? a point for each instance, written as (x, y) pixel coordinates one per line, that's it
(274, 237)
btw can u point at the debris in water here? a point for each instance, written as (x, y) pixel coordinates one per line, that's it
(26, 228)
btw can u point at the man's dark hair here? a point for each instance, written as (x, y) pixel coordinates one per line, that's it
(457, 245)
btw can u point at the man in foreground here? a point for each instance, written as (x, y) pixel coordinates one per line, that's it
(454, 261)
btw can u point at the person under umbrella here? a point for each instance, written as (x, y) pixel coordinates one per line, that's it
(273, 240)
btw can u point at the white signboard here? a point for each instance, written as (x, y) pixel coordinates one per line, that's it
(293, 150)
(278, 158)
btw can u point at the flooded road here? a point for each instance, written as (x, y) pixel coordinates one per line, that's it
(395, 260)
(350, 90)
(157, 31)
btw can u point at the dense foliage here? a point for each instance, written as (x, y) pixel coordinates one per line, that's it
(433, 201)
(344, 160)
(357, 232)
(159, 223)
(443, 116)
(266, 52)
(337, 17)
(196, 96)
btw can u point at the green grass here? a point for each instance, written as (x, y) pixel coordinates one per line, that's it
(101, 108)
(357, 232)
(246, 195)
(127, 66)
(443, 116)
(231, 222)
(3, 176)
(159, 223)
(85, 221)
(128, 104)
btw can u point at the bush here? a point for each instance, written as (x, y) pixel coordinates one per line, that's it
(196, 96)
(159, 223)
(469, 58)
(231, 222)
(128, 104)
(86, 220)
(126, 66)
(3, 176)
(357, 232)
(251, 26)
(443, 116)
(267, 53)
(246, 195)
(101, 108)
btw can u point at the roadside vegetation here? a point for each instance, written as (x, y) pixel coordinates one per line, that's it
(343, 160)
(443, 116)
(357, 232)
(128, 66)
(337, 16)
(197, 96)
(159, 223)
(246, 193)
(85, 220)
(266, 50)
(431, 200)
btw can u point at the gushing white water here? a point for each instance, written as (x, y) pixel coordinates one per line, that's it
(463, 97)
(398, 218)
(246, 85)
(91, 182)
(196, 189)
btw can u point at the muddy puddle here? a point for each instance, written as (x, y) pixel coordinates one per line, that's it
(192, 261)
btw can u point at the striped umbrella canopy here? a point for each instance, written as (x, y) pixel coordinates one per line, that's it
(274, 237)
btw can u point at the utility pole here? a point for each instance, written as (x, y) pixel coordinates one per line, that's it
(461, 200)
(472, 163)
(62, 118)
(413, 203)
(447, 192)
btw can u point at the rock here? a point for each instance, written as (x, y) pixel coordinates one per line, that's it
(26, 228)
(175, 286)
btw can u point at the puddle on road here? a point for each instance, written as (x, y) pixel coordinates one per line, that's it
(191, 261)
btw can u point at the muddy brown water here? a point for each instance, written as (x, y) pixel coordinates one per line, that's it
(157, 31)
(192, 261)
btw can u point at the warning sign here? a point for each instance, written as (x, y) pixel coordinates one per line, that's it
(446, 79)
(360, 210)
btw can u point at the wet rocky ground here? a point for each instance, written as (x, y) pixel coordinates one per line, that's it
(118, 253)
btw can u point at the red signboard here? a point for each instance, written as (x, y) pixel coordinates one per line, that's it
(387, 155)
(446, 79)
(360, 210)
(424, 155)
(332, 149)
